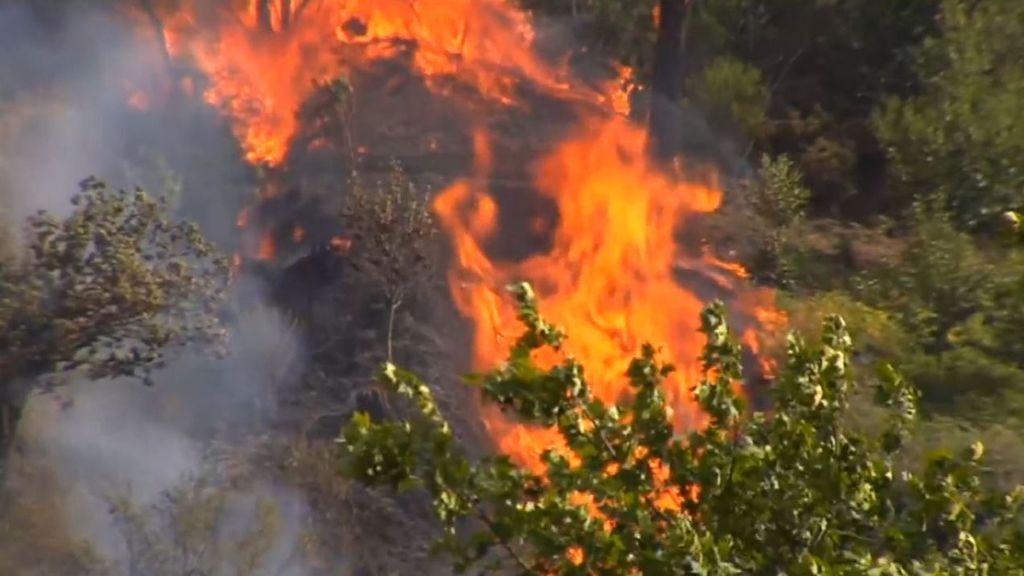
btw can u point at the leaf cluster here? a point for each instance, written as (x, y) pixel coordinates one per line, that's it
(962, 136)
(795, 491)
(392, 228)
(108, 290)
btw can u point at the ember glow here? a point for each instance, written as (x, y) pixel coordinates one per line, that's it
(610, 274)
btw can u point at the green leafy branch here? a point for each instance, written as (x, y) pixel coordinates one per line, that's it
(792, 491)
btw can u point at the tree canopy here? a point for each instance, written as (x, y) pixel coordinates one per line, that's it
(793, 491)
(108, 291)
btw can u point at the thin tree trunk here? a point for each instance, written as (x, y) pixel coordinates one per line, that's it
(393, 305)
(667, 80)
(11, 405)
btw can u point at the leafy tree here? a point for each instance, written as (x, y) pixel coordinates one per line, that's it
(963, 136)
(796, 491)
(106, 292)
(782, 197)
(822, 67)
(959, 302)
(392, 229)
(734, 93)
(623, 28)
(939, 282)
(780, 200)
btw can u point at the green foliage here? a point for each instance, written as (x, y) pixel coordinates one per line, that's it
(1005, 317)
(782, 197)
(970, 383)
(796, 491)
(876, 331)
(825, 154)
(779, 200)
(34, 538)
(960, 303)
(963, 136)
(1003, 463)
(108, 290)
(938, 283)
(734, 93)
(622, 28)
(392, 230)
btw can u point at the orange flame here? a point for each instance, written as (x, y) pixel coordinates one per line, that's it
(341, 244)
(259, 76)
(608, 278)
(267, 249)
(610, 275)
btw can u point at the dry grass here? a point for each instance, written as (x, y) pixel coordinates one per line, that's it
(34, 539)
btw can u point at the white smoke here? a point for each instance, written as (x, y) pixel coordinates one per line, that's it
(120, 438)
(63, 117)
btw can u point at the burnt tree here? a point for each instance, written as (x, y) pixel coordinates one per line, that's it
(667, 78)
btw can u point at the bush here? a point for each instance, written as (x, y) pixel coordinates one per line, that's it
(796, 491)
(939, 282)
(735, 94)
(961, 137)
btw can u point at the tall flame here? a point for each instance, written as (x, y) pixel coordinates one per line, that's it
(609, 276)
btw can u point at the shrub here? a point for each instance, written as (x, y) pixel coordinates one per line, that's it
(796, 491)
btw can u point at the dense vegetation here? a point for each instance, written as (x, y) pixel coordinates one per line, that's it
(796, 491)
(874, 154)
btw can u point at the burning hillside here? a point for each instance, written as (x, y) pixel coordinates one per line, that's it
(263, 59)
(608, 271)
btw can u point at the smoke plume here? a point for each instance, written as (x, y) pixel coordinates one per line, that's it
(66, 80)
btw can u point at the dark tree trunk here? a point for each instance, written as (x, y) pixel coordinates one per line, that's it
(13, 396)
(286, 14)
(263, 15)
(667, 80)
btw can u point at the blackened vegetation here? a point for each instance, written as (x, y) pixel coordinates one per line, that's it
(352, 134)
(356, 130)
(303, 280)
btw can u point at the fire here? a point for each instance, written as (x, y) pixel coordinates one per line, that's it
(262, 67)
(341, 244)
(609, 277)
(267, 249)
